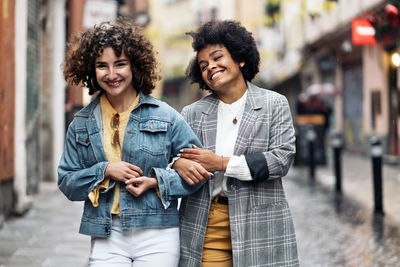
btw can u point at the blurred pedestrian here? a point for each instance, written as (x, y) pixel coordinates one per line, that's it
(241, 216)
(118, 147)
(302, 104)
(317, 106)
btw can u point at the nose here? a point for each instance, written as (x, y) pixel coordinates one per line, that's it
(112, 73)
(211, 66)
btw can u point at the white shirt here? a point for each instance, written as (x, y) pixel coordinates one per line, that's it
(227, 132)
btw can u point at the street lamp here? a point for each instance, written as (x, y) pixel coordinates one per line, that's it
(395, 59)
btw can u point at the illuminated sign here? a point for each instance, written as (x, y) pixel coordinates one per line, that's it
(363, 33)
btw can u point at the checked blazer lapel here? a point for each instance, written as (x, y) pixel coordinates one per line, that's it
(246, 127)
(209, 123)
(209, 129)
(247, 123)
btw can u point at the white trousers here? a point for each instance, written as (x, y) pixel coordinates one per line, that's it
(139, 247)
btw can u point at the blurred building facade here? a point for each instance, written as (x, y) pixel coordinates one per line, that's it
(32, 103)
(305, 45)
(169, 23)
(313, 47)
(7, 105)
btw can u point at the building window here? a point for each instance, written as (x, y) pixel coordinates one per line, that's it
(272, 10)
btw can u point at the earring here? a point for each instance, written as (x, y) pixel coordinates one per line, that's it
(92, 83)
(241, 64)
(137, 76)
(141, 82)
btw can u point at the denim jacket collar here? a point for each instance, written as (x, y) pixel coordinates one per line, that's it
(92, 114)
(89, 109)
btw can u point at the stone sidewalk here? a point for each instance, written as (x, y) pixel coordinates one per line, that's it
(357, 182)
(47, 235)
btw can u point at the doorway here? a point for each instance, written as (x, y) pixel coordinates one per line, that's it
(353, 106)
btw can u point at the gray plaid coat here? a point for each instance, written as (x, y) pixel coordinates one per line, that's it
(261, 224)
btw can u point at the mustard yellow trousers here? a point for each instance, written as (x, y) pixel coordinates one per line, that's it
(217, 251)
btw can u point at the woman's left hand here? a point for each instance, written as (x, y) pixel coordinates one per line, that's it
(139, 185)
(208, 159)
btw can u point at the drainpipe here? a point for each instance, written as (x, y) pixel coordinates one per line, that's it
(58, 82)
(23, 201)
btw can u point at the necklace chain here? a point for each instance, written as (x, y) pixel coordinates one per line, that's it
(235, 120)
(235, 114)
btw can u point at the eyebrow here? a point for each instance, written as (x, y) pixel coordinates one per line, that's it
(212, 53)
(116, 62)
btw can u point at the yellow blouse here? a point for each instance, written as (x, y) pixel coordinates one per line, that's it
(113, 153)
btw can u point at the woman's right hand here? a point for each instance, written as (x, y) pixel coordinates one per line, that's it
(191, 171)
(122, 171)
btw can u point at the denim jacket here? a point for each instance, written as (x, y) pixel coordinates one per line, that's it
(155, 132)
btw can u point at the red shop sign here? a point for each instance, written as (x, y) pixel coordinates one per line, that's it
(363, 33)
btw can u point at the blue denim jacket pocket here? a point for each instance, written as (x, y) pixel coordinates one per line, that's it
(84, 147)
(153, 134)
(146, 201)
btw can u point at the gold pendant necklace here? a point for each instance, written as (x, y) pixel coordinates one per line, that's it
(228, 107)
(235, 120)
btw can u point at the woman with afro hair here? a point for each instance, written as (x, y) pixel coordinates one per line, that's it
(241, 216)
(118, 147)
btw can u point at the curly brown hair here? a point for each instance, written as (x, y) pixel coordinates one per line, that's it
(121, 36)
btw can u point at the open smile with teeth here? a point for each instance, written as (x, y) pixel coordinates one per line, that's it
(114, 84)
(216, 75)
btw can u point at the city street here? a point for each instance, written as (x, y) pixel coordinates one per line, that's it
(332, 229)
(341, 229)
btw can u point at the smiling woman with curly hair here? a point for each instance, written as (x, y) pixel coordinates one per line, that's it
(122, 37)
(242, 49)
(117, 149)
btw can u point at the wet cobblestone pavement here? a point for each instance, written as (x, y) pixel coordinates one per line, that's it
(341, 229)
